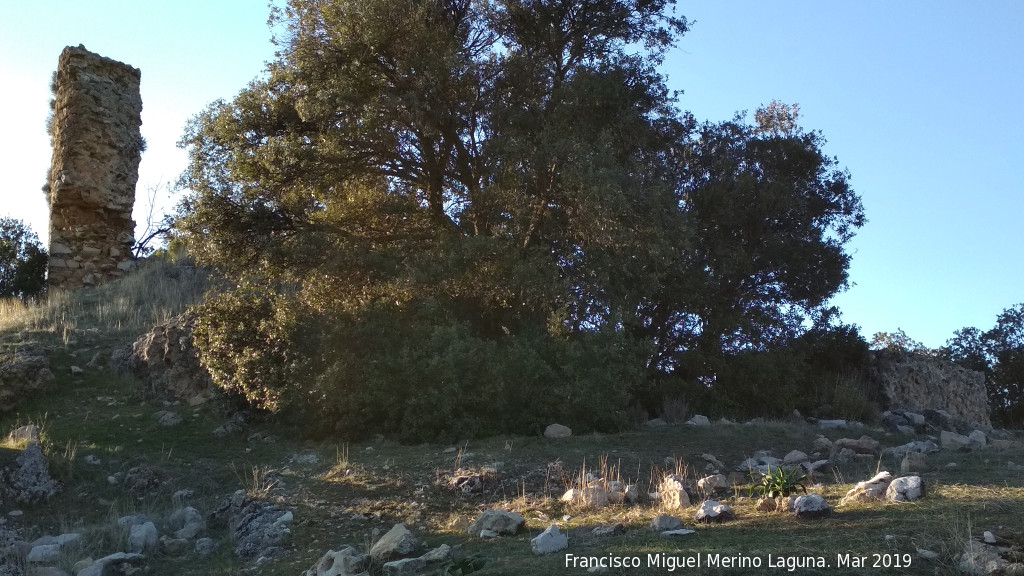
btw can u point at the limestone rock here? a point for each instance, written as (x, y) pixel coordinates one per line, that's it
(713, 483)
(557, 431)
(980, 559)
(206, 546)
(699, 420)
(810, 506)
(977, 439)
(43, 553)
(905, 489)
(396, 543)
(714, 511)
(23, 373)
(863, 445)
(142, 537)
(166, 361)
(404, 567)
(549, 541)
(954, 441)
(795, 458)
(258, 529)
(498, 522)
(873, 489)
(611, 530)
(119, 562)
(168, 418)
(594, 496)
(29, 480)
(914, 462)
(673, 493)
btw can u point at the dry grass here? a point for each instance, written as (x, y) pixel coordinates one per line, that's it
(151, 295)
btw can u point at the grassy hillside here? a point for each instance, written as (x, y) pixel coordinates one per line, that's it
(349, 493)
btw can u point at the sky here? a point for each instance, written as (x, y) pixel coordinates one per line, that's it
(918, 99)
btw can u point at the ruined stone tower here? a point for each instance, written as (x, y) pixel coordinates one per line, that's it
(96, 149)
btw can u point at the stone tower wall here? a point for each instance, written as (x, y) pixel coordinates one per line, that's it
(96, 150)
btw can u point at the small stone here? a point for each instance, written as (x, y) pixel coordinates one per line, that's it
(76, 371)
(679, 532)
(905, 489)
(43, 553)
(398, 542)
(142, 537)
(699, 420)
(927, 554)
(988, 537)
(496, 522)
(206, 546)
(810, 506)
(404, 567)
(549, 541)
(914, 462)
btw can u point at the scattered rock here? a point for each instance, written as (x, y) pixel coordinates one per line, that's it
(673, 493)
(173, 546)
(612, 530)
(43, 553)
(922, 446)
(206, 546)
(549, 541)
(905, 489)
(404, 567)
(954, 441)
(29, 480)
(795, 458)
(657, 422)
(259, 531)
(810, 506)
(714, 511)
(594, 496)
(873, 489)
(119, 562)
(977, 440)
(664, 522)
(699, 420)
(862, 445)
(497, 521)
(988, 537)
(914, 462)
(142, 537)
(927, 554)
(679, 532)
(713, 483)
(555, 431)
(23, 373)
(831, 424)
(980, 559)
(140, 479)
(24, 434)
(168, 418)
(396, 543)
(439, 555)
(346, 562)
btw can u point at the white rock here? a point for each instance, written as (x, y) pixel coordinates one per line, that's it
(810, 506)
(673, 493)
(699, 420)
(498, 522)
(142, 537)
(345, 562)
(714, 511)
(549, 541)
(713, 483)
(664, 522)
(988, 537)
(905, 489)
(398, 541)
(44, 553)
(680, 532)
(873, 489)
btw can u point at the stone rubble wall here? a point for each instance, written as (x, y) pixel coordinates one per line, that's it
(97, 145)
(917, 382)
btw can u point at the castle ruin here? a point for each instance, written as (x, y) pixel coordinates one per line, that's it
(96, 150)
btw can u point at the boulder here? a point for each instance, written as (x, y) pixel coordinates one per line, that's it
(261, 529)
(795, 458)
(29, 480)
(142, 537)
(863, 445)
(498, 522)
(555, 431)
(699, 420)
(977, 439)
(905, 489)
(345, 562)
(549, 541)
(396, 543)
(714, 511)
(810, 506)
(954, 441)
(166, 361)
(43, 553)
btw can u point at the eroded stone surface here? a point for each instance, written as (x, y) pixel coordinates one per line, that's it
(97, 146)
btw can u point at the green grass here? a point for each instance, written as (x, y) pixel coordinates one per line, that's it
(356, 489)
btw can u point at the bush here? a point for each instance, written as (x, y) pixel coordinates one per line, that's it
(408, 371)
(22, 261)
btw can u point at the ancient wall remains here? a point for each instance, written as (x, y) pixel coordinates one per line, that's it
(917, 382)
(96, 149)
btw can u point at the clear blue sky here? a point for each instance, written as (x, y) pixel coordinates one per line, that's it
(918, 99)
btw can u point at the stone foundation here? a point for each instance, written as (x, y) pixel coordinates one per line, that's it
(96, 150)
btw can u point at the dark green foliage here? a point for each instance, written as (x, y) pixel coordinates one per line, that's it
(999, 355)
(22, 261)
(450, 217)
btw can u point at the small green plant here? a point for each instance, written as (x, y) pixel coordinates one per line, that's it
(778, 483)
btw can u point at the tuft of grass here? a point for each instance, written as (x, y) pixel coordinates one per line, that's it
(258, 482)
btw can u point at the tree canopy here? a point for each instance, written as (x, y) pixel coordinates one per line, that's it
(432, 181)
(22, 261)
